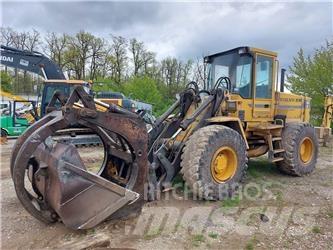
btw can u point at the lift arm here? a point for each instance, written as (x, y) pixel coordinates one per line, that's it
(31, 61)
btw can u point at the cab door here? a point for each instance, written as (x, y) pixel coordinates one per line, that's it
(263, 101)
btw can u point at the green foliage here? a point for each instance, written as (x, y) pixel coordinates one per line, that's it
(313, 76)
(330, 214)
(5, 81)
(106, 84)
(213, 235)
(230, 202)
(316, 230)
(197, 239)
(145, 89)
(250, 244)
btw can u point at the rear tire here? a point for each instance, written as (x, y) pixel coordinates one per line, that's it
(301, 149)
(199, 162)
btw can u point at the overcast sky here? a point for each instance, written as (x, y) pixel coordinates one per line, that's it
(184, 30)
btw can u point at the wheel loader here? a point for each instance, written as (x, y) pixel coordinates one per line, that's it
(207, 135)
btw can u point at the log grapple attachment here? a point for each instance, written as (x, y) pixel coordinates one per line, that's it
(52, 181)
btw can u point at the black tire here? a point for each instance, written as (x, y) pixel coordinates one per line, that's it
(292, 136)
(3, 133)
(197, 156)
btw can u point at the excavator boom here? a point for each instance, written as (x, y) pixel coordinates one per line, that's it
(31, 61)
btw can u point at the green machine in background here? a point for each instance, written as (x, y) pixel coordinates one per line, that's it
(14, 120)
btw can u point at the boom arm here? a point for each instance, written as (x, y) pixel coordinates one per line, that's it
(31, 61)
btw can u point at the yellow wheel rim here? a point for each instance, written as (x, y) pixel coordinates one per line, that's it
(224, 164)
(306, 150)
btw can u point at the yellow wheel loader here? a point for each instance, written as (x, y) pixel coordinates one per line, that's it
(206, 135)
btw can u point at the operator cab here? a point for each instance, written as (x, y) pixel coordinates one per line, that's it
(238, 64)
(64, 86)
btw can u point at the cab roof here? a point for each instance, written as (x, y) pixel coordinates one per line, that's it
(244, 49)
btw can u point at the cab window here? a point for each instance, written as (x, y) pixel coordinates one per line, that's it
(235, 66)
(264, 76)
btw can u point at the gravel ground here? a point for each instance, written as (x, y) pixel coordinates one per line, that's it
(272, 210)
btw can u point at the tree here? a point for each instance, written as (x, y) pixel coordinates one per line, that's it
(57, 45)
(79, 52)
(97, 54)
(119, 53)
(5, 81)
(145, 89)
(142, 58)
(199, 73)
(6, 36)
(313, 76)
(137, 50)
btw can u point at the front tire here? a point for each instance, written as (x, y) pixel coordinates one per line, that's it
(214, 162)
(301, 149)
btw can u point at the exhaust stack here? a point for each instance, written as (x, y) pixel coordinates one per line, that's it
(283, 71)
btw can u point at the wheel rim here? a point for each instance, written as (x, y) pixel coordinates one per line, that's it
(306, 150)
(224, 164)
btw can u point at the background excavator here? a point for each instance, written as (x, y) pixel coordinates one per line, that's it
(55, 81)
(206, 135)
(35, 62)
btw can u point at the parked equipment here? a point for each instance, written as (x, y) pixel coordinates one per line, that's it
(16, 115)
(324, 131)
(207, 135)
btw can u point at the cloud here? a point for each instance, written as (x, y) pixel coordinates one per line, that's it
(185, 30)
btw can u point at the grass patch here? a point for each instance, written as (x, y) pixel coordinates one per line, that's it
(251, 243)
(258, 168)
(197, 239)
(330, 214)
(279, 195)
(213, 235)
(316, 230)
(91, 231)
(249, 246)
(230, 202)
(154, 234)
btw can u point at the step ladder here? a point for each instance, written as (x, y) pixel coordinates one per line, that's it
(275, 150)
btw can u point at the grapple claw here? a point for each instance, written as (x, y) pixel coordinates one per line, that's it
(61, 185)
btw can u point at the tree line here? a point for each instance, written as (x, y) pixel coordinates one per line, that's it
(111, 62)
(126, 65)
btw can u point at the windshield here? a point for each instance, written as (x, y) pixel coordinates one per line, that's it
(237, 67)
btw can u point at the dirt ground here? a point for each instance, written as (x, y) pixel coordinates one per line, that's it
(272, 210)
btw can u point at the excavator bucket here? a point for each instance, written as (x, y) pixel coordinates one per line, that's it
(52, 181)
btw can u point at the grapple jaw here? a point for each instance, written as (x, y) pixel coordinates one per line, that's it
(61, 188)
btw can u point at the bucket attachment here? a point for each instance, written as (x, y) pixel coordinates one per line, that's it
(81, 199)
(53, 183)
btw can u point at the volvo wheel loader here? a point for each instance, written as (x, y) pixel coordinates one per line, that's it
(206, 135)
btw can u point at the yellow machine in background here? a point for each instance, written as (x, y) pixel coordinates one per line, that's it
(324, 131)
